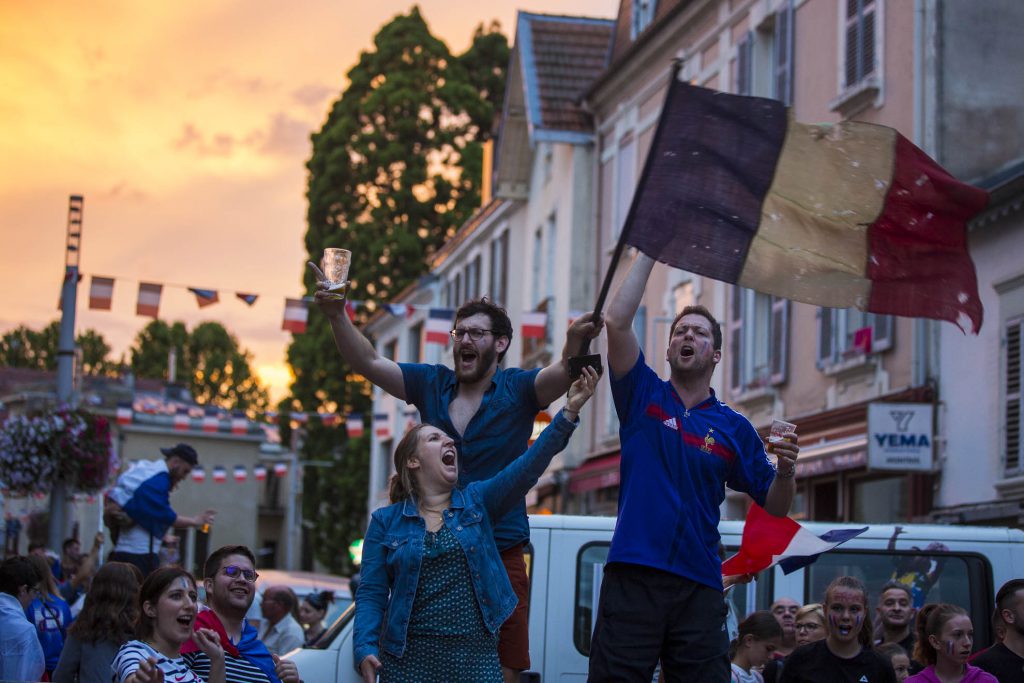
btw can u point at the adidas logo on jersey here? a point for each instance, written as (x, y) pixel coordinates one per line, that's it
(671, 423)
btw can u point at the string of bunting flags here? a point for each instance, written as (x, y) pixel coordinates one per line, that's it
(296, 310)
(240, 473)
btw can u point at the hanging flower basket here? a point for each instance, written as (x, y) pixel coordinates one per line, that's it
(63, 445)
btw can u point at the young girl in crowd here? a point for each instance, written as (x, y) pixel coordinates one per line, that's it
(105, 623)
(434, 590)
(898, 659)
(845, 654)
(49, 613)
(167, 608)
(312, 612)
(759, 636)
(944, 639)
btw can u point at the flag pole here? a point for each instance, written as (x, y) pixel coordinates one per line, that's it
(677, 64)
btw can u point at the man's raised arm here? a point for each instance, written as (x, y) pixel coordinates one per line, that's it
(357, 350)
(623, 348)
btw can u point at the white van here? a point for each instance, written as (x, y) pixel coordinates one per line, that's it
(566, 557)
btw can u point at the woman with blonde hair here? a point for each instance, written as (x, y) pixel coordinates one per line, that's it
(433, 589)
(810, 624)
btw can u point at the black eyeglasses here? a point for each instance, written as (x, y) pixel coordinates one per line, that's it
(232, 571)
(474, 334)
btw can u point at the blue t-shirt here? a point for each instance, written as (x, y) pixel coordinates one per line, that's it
(675, 463)
(51, 619)
(497, 434)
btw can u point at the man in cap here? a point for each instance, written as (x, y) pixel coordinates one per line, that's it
(143, 495)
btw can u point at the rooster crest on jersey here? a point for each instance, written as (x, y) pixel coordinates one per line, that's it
(709, 441)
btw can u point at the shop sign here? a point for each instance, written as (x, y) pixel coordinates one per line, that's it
(900, 436)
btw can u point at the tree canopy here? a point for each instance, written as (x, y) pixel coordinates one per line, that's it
(24, 347)
(394, 172)
(208, 360)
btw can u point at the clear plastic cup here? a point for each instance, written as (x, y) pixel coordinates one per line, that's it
(335, 264)
(778, 432)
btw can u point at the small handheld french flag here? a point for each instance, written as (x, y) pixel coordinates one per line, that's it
(769, 540)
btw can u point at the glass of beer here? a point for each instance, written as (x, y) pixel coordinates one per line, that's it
(334, 264)
(778, 432)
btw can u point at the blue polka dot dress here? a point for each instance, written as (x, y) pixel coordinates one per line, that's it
(447, 640)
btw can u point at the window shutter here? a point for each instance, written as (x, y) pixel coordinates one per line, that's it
(826, 341)
(735, 340)
(867, 44)
(1013, 395)
(783, 48)
(779, 351)
(882, 327)
(744, 66)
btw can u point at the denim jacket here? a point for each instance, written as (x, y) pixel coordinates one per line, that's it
(393, 549)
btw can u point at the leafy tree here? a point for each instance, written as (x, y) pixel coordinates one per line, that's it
(208, 359)
(395, 170)
(24, 347)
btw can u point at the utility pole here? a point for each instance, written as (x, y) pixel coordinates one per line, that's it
(66, 352)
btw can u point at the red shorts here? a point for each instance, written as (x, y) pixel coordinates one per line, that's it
(514, 636)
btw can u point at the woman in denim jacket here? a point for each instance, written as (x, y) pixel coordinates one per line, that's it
(434, 592)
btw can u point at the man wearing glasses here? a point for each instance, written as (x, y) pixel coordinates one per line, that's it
(21, 655)
(230, 583)
(486, 409)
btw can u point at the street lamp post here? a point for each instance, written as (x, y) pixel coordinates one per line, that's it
(66, 350)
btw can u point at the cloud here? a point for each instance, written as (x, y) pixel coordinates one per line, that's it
(214, 145)
(123, 190)
(282, 136)
(314, 95)
(286, 136)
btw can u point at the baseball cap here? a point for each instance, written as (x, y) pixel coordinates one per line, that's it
(183, 451)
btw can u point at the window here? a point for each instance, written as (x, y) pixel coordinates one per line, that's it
(414, 354)
(743, 77)
(859, 41)
(499, 268)
(390, 350)
(782, 55)
(880, 501)
(473, 278)
(589, 570)
(683, 296)
(643, 15)
(1014, 357)
(963, 579)
(549, 260)
(758, 340)
(457, 294)
(538, 267)
(625, 181)
(845, 333)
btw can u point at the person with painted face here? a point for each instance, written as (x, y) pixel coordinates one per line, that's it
(488, 410)
(661, 595)
(168, 604)
(845, 655)
(945, 637)
(433, 590)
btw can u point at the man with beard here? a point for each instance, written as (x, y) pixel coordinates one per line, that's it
(1005, 660)
(896, 616)
(230, 583)
(661, 596)
(486, 409)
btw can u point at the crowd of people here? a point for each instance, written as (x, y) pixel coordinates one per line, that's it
(444, 590)
(838, 640)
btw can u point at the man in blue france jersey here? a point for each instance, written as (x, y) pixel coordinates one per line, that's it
(486, 409)
(661, 596)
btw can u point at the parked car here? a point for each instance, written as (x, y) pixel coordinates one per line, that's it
(566, 558)
(303, 584)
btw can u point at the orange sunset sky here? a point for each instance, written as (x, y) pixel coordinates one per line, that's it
(186, 128)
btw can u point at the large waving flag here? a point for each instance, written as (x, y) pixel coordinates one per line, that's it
(769, 540)
(837, 215)
(143, 492)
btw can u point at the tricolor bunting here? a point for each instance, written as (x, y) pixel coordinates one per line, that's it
(769, 540)
(534, 324)
(101, 293)
(439, 325)
(382, 425)
(836, 215)
(296, 313)
(205, 297)
(220, 475)
(148, 303)
(354, 425)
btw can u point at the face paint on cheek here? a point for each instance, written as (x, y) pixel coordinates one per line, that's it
(833, 621)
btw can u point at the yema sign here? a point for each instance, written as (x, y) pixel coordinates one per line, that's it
(900, 436)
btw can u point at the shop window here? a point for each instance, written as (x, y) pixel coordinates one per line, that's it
(825, 501)
(589, 570)
(880, 501)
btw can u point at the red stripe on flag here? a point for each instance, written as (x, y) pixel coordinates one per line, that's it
(101, 293)
(764, 536)
(918, 261)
